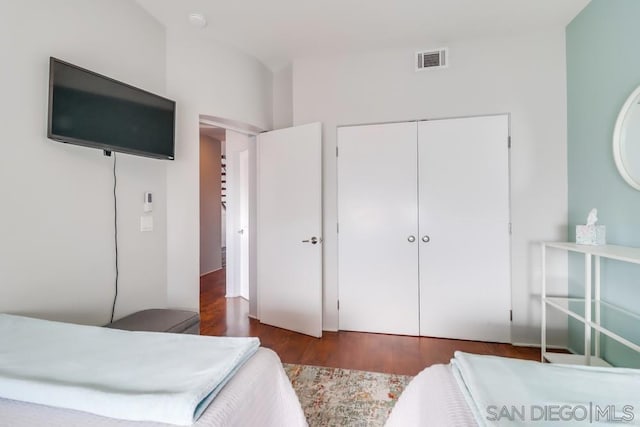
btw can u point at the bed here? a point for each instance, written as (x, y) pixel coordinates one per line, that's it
(257, 392)
(494, 391)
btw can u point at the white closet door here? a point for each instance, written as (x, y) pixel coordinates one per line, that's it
(377, 216)
(465, 288)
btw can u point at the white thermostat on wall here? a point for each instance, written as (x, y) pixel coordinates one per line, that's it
(148, 202)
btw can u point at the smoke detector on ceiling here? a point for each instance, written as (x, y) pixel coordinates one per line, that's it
(432, 59)
(197, 20)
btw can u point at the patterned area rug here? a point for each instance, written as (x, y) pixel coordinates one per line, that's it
(343, 397)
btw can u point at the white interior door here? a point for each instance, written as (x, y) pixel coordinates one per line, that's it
(289, 253)
(465, 288)
(244, 229)
(378, 224)
(237, 145)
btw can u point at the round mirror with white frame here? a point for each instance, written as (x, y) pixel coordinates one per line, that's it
(626, 140)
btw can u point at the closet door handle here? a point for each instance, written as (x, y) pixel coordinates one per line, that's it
(426, 238)
(411, 239)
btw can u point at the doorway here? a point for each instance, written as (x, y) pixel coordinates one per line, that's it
(227, 206)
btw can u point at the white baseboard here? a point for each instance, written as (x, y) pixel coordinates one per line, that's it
(554, 347)
(209, 272)
(236, 296)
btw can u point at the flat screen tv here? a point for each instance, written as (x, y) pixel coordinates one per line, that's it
(89, 109)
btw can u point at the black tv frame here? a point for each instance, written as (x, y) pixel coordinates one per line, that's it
(107, 148)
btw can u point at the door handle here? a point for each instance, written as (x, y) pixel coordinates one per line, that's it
(313, 240)
(426, 238)
(241, 231)
(411, 239)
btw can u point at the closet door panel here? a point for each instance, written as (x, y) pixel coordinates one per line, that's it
(377, 216)
(465, 289)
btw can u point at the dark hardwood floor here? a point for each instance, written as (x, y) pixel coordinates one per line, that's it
(352, 350)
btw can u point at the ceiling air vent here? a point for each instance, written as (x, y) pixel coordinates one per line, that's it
(431, 59)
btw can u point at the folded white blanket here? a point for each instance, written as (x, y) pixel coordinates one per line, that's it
(505, 392)
(139, 376)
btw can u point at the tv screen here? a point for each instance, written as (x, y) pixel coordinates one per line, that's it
(86, 108)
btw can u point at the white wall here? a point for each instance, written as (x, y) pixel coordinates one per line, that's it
(56, 216)
(210, 203)
(524, 76)
(283, 98)
(204, 78)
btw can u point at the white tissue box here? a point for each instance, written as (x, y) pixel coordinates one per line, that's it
(591, 234)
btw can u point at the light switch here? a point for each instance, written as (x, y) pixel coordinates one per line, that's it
(146, 223)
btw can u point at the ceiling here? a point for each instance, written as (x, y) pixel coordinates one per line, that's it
(278, 31)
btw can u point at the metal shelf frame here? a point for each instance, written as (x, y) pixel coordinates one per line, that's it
(590, 318)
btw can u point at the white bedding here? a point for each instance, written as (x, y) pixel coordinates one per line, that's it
(259, 394)
(509, 392)
(496, 391)
(138, 376)
(432, 398)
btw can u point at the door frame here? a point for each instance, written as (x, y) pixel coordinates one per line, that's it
(233, 286)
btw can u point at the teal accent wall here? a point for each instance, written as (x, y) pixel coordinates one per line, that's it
(603, 68)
